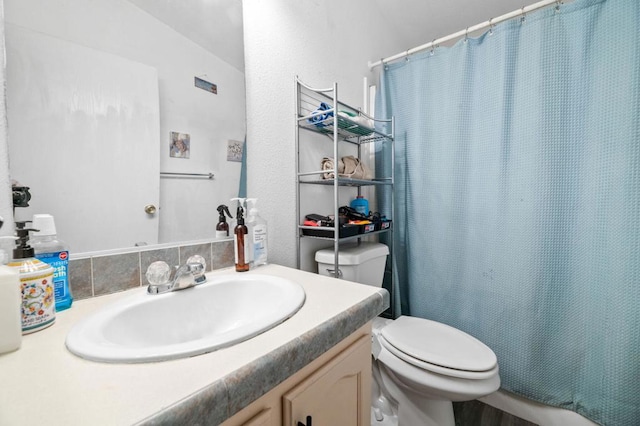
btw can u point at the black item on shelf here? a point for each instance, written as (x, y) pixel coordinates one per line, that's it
(319, 219)
(345, 231)
(352, 214)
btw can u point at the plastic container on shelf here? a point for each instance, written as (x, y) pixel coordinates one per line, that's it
(361, 205)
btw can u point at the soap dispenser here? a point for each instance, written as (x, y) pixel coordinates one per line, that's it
(36, 284)
(257, 234)
(222, 228)
(241, 246)
(10, 302)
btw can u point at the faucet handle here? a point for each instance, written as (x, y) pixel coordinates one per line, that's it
(158, 273)
(197, 266)
(197, 259)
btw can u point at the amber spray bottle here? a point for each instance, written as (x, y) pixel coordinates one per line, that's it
(222, 228)
(241, 245)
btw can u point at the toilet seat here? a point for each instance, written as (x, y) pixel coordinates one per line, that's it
(439, 348)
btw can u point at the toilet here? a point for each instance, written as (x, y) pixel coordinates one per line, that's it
(419, 366)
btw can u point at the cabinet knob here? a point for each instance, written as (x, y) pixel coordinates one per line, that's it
(307, 423)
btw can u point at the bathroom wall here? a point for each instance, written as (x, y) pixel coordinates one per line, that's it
(100, 273)
(120, 28)
(5, 184)
(321, 42)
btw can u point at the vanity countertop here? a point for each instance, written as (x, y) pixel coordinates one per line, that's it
(43, 383)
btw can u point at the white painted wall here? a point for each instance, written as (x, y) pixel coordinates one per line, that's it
(321, 42)
(6, 200)
(187, 209)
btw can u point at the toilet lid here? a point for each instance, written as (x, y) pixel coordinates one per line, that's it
(439, 344)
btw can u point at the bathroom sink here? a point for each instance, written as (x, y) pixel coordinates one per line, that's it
(225, 310)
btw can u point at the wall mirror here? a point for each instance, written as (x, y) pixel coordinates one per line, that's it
(118, 112)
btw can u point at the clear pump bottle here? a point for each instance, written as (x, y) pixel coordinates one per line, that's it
(257, 234)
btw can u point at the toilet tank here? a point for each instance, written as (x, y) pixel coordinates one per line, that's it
(363, 263)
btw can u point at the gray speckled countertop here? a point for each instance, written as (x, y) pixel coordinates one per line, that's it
(205, 389)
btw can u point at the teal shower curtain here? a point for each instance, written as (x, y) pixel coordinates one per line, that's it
(517, 215)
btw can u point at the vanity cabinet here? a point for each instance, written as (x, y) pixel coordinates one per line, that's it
(335, 389)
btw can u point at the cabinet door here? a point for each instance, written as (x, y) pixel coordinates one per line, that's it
(337, 394)
(263, 418)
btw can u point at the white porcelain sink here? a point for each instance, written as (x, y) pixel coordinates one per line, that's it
(226, 310)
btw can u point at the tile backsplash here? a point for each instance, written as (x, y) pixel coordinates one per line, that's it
(100, 274)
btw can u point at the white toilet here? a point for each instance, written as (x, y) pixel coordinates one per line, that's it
(419, 366)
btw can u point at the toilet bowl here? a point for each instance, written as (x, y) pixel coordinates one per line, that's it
(419, 366)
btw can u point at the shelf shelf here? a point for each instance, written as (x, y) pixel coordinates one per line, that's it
(342, 239)
(348, 130)
(319, 111)
(349, 182)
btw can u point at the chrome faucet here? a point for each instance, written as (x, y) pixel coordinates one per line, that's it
(162, 279)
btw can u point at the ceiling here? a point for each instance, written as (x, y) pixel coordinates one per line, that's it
(216, 25)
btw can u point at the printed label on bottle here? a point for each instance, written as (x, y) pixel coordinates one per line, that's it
(59, 261)
(38, 302)
(222, 234)
(260, 244)
(245, 252)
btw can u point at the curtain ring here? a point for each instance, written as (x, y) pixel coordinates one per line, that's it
(558, 3)
(523, 15)
(406, 55)
(466, 35)
(490, 26)
(383, 64)
(433, 46)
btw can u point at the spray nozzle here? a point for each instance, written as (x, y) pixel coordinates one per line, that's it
(23, 249)
(222, 209)
(240, 211)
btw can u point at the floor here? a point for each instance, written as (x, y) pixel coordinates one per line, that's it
(476, 413)
(470, 413)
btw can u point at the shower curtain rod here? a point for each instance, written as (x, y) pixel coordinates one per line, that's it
(487, 24)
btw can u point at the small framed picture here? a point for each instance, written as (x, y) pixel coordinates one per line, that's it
(180, 145)
(234, 151)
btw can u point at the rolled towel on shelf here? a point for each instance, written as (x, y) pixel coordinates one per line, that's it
(319, 115)
(355, 169)
(328, 164)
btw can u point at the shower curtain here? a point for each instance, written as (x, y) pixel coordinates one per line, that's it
(517, 199)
